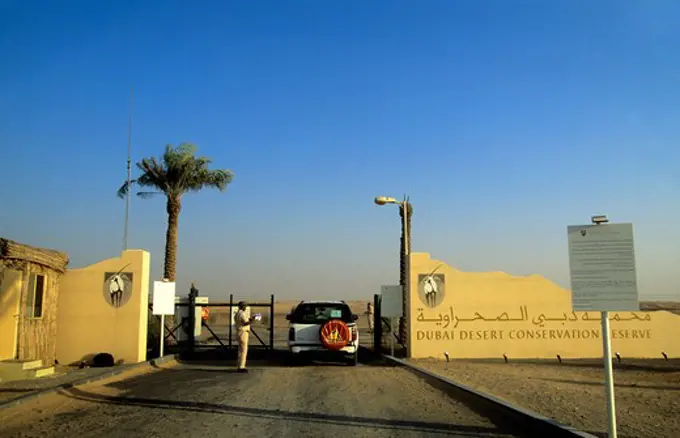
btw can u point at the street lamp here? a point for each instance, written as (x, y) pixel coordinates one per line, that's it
(382, 200)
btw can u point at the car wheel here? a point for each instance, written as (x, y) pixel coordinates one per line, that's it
(353, 360)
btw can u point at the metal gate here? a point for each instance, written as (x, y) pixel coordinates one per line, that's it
(217, 328)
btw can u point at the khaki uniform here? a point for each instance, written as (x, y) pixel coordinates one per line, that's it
(243, 332)
(371, 317)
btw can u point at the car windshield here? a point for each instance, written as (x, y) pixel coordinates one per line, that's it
(316, 313)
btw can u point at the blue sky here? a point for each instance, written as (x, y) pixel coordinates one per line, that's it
(504, 121)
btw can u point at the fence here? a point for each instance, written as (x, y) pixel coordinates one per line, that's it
(217, 326)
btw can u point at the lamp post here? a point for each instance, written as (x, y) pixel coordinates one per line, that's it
(383, 200)
(162, 331)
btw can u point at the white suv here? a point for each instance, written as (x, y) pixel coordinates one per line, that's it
(323, 328)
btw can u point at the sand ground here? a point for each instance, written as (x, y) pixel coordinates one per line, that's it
(647, 392)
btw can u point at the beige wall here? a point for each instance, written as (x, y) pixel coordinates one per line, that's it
(10, 292)
(486, 315)
(90, 323)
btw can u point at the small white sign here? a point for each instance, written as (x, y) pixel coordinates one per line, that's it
(391, 304)
(198, 322)
(163, 298)
(602, 268)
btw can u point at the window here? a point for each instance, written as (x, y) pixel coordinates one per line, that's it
(313, 313)
(36, 292)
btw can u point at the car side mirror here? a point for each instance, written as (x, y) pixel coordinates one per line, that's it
(288, 317)
(355, 317)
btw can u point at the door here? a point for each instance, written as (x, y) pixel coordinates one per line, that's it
(10, 294)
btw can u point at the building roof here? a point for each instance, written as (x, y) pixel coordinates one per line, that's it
(18, 252)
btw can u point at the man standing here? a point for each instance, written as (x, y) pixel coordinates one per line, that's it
(242, 323)
(371, 317)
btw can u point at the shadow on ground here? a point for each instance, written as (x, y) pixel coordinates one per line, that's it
(219, 357)
(655, 365)
(16, 390)
(307, 417)
(618, 385)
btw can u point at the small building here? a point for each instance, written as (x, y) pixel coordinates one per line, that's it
(29, 292)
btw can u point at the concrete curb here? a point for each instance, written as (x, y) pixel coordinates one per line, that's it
(533, 422)
(84, 381)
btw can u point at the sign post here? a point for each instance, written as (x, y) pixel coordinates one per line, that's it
(603, 278)
(391, 307)
(163, 304)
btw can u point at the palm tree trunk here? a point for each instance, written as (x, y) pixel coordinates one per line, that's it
(402, 278)
(173, 207)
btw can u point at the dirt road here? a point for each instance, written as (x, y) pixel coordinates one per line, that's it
(270, 401)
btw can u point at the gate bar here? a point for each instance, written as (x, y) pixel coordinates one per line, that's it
(259, 338)
(224, 347)
(231, 303)
(377, 324)
(220, 304)
(271, 324)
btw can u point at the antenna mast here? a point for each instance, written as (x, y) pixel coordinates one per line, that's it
(129, 172)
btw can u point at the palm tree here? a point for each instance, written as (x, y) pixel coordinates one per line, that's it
(177, 172)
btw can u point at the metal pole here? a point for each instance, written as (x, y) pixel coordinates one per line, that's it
(129, 173)
(271, 325)
(162, 335)
(231, 303)
(192, 321)
(609, 374)
(392, 337)
(377, 325)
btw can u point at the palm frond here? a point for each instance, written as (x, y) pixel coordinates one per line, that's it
(148, 195)
(123, 190)
(178, 171)
(216, 178)
(154, 174)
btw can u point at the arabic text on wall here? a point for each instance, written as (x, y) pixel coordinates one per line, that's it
(450, 319)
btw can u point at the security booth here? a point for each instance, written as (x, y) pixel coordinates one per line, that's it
(182, 307)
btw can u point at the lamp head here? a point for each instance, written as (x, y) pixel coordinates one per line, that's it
(382, 200)
(599, 219)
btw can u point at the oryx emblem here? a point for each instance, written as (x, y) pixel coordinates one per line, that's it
(431, 288)
(117, 287)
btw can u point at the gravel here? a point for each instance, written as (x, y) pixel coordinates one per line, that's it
(647, 392)
(270, 401)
